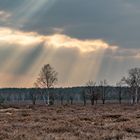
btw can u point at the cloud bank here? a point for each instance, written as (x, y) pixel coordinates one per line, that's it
(24, 53)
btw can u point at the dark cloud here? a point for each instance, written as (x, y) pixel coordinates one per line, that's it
(115, 21)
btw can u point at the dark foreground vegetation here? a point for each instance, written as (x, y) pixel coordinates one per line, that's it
(70, 122)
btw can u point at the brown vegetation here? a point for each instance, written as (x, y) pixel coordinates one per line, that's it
(76, 122)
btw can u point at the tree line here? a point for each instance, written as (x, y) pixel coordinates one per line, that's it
(48, 78)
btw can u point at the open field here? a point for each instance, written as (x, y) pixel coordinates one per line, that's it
(108, 122)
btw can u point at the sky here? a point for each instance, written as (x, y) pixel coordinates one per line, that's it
(81, 39)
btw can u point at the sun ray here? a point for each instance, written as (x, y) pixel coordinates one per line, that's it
(68, 55)
(29, 8)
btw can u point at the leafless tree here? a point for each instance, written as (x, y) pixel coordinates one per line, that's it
(47, 79)
(33, 95)
(103, 85)
(71, 100)
(91, 91)
(133, 81)
(119, 90)
(84, 96)
(97, 95)
(62, 98)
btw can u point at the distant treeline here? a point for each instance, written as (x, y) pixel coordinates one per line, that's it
(65, 95)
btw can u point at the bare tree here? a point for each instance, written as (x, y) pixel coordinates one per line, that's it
(71, 99)
(103, 85)
(84, 97)
(62, 98)
(33, 96)
(119, 90)
(97, 95)
(47, 79)
(91, 91)
(133, 81)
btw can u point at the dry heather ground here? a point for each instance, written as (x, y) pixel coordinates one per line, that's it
(108, 122)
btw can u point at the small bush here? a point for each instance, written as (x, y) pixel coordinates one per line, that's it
(129, 130)
(24, 114)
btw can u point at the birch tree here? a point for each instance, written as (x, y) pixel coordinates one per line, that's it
(47, 79)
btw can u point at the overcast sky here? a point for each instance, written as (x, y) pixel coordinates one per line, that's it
(82, 39)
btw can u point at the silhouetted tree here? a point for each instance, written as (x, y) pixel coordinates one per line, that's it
(84, 97)
(103, 85)
(71, 100)
(90, 90)
(47, 79)
(72, 95)
(119, 90)
(33, 95)
(97, 95)
(60, 95)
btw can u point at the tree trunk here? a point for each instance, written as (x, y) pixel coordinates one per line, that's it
(34, 101)
(61, 100)
(92, 101)
(136, 96)
(103, 95)
(96, 101)
(133, 98)
(71, 101)
(103, 101)
(44, 99)
(84, 102)
(48, 98)
(84, 98)
(120, 101)
(120, 97)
